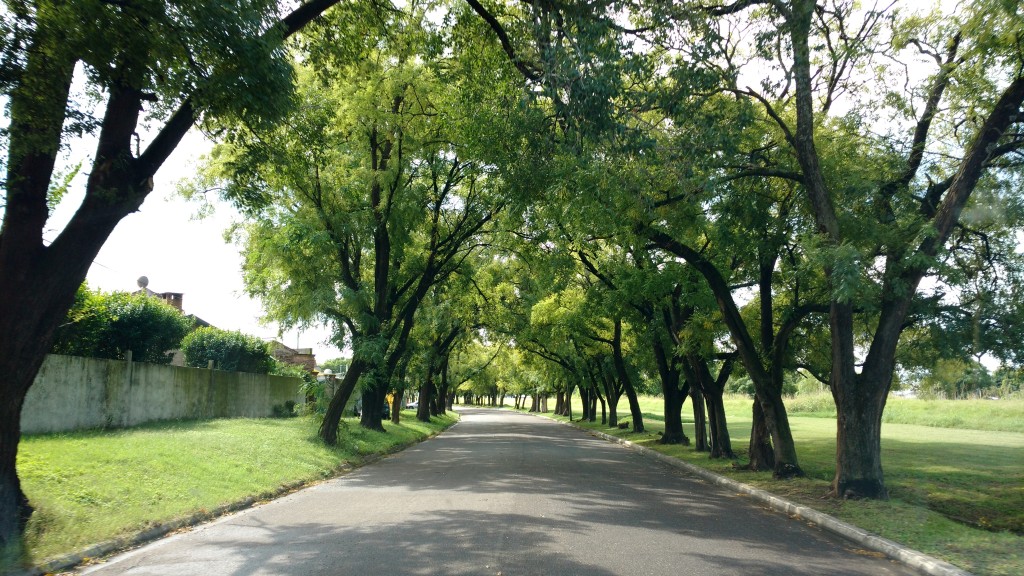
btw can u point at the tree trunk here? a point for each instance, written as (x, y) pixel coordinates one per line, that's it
(442, 401)
(31, 307)
(426, 396)
(720, 445)
(721, 442)
(14, 507)
(627, 383)
(613, 395)
(329, 427)
(568, 402)
(674, 399)
(700, 423)
(859, 407)
(585, 400)
(760, 452)
(782, 438)
(373, 407)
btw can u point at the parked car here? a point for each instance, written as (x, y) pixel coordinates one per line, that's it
(412, 405)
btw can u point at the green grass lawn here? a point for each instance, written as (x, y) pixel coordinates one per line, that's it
(88, 487)
(955, 493)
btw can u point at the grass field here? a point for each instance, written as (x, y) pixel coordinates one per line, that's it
(93, 486)
(957, 494)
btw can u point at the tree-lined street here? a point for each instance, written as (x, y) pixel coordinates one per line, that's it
(505, 493)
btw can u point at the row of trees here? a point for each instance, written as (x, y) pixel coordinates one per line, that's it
(562, 195)
(621, 205)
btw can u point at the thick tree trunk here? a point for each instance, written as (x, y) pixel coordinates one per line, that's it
(372, 417)
(37, 288)
(712, 389)
(613, 413)
(674, 396)
(674, 399)
(329, 427)
(860, 400)
(721, 442)
(29, 315)
(443, 391)
(760, 452)
(782, 436)
(14, 507)
(859, 404)
(426, 397)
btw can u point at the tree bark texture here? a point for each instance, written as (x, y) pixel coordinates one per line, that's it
(329, 427)
(674, 396)
(760, 452)
(721, 441)
(426, 396)
(700, 423)
(619, 362)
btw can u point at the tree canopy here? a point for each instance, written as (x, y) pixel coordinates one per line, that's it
(542, 198)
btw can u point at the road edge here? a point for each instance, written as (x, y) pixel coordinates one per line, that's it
(919, 561)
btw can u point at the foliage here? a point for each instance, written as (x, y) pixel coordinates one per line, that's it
(954, 379)
(336, 365)
(102, 325)
(229, 351)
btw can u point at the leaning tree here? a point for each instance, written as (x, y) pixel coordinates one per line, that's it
(104, 71)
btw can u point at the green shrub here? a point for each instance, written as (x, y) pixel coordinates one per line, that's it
(101, 325)
(230, 351)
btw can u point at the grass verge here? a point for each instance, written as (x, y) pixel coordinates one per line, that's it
(93, 486)
(955, 494)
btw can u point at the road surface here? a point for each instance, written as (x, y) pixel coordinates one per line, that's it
(507, 494)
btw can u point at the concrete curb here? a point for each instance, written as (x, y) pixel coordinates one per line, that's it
(159, 530)
(921, 562)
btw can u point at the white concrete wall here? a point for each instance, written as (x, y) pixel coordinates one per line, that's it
(72, 393)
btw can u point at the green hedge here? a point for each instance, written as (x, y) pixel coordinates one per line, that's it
(230, 351)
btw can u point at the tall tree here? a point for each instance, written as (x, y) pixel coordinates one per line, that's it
(366, 198)
(878, 235)
(179, 61)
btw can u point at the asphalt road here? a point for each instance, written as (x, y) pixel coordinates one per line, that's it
(505, 494)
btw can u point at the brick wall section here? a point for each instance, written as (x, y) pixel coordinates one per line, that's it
(303, 356)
